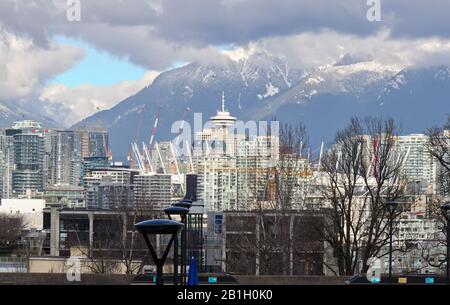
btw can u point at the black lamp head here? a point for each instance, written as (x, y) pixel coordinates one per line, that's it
(159, 226)
(176, 211)
(182, 204)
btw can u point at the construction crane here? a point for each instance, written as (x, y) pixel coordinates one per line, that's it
(138, 156)
(155, 128)
(135, 152)
(183, 120)
(160, 158)
(188, 148)
(100, 128)
(147, 156)
(131, 153)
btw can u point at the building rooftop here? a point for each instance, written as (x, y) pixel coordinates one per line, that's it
(26, 124)
(223, 117)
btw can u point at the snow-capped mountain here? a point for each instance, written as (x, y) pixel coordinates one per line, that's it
(262, 86)
(419, 98)
(247, 83)
(347, 77)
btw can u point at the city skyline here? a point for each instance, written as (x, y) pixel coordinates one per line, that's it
(225, 142)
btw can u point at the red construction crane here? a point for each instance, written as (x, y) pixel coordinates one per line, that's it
(183, 120)
(155, 128)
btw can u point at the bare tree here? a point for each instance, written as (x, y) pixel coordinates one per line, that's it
(276, 193)
(361, 171)
(11, 230)
(434, 250)
(439, 148)
(132, 250)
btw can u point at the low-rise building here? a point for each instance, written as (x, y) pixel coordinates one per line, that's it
(268, 243)
(30, 209)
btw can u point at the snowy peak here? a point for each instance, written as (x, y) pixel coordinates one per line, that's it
(354, 78)
(415, 77)
(269, 74)
(260, 86)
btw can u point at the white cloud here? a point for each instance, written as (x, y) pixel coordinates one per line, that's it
(157, 33)
(311, 50)
(73, 104)
(24, 67)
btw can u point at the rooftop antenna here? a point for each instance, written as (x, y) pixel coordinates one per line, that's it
(223, 101)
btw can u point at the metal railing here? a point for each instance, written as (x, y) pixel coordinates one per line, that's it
(13, 265)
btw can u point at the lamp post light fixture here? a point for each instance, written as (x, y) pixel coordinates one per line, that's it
(392, 206)
(445, 209)
(163, 227)
(186, 204)
(182, 212)
(182, 204)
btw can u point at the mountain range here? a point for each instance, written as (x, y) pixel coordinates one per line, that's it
(16, 110)
(262, 86)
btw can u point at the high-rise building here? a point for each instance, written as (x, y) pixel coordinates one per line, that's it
(152, 191)
(6, 165)
(217, 182)
(256, 158)
(229, 162)
(106, 188)
(418, 165)
(94, 142)
(92, 163)
(215, 161)
(65, 158)
(219, 139)
(29, 157)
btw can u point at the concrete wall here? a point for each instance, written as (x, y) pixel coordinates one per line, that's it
(55, 265)
(47, 265)
(60, 279)
(97, 279)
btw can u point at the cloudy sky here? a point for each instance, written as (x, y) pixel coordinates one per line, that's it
(119, 46)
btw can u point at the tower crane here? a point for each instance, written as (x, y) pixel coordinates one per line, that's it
(132, 154)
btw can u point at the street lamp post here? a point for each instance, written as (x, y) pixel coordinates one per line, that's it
(392, 206)
(155, 227)
(186, 204)
(182, 212)
(445, 209)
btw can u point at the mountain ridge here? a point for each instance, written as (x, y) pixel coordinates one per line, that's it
(262, 87)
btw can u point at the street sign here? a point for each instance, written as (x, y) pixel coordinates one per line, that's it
(374, 273)
(375, 280)
(402, 280)
(429, 280)
(218, 221)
